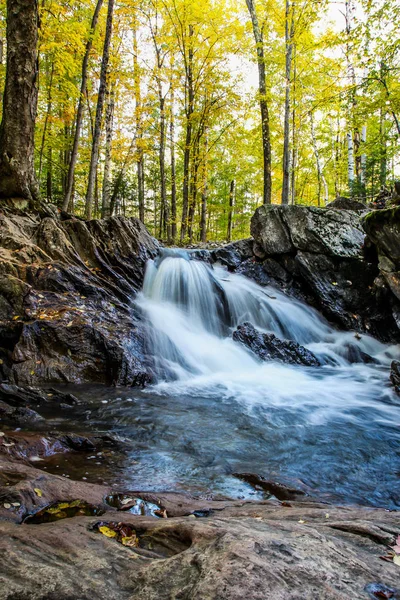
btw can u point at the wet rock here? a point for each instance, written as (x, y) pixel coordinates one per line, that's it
(343, 203)
(270, 230)
(279, 490)
(383, 229)
(228, 257)
(322, 256)
(65, 300)
(18, 415)
(395, 375)
(259, 549)
(268, 347)
(201, 254)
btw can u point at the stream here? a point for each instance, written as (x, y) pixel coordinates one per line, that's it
(332, 431)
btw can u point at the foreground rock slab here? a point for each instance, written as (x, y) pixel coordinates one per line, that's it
(258, 550)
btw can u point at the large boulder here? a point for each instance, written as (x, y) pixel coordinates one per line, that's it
(383, 229)
(66, 291)
(322, 256)
(268, 347)
(285, 229)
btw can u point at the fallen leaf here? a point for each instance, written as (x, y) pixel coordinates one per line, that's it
(16, 504)
(126, 501)
(38, 492)
(9, 444)
(15, 318)
(396, 560)
(2, 434)
(7, 505)
(108, 532)
(131, 541)
(69, 324)
(301, 521)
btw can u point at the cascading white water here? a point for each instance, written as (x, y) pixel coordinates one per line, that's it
(193, 309)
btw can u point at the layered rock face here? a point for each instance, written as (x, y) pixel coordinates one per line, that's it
(66, 289)
(323, 257)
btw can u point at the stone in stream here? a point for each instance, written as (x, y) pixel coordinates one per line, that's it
(268, 347)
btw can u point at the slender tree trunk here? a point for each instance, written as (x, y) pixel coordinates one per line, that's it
(94, 159)
(188, 137)
(350, 162)
(49, 175)
(79, 114)
(317, 158)
(163, 183)
(231, 205)
(193, 191)
(383, 150)
(139, 128)
(363, 162)
(106, 192)
(204, 195)
(262, 88)
(173, 170)
(17, 173)
(289, 34)
(46, 121)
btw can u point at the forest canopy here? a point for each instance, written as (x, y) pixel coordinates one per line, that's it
(188, 114)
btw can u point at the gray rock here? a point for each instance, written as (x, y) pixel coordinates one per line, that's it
(268, 347)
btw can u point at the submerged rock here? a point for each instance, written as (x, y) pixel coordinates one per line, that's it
(268, 347)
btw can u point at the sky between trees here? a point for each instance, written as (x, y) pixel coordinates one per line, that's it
(151, 108)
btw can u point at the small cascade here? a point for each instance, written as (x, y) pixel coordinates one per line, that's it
(192, 309)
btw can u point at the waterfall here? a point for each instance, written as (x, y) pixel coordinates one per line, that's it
(192, 309)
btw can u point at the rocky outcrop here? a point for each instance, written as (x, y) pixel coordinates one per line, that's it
(322, 257)
(285, 551)
(268, 347)
(383, 230)
(66, 290)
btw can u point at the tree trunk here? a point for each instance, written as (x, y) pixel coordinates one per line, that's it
(163, 183)
(262, 88)
(99, 112)
(350, 162)
(173, 170)
(363, 162)
(17, 173)
(139, 129)
(106, 192)
(289, 33)
(188, 137)
(383, 150)
(46, 121)
(317, 158)
(231, 205)
(79, 115)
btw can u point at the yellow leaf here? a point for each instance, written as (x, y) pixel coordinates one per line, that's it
(131, 541)
(38, 492)
(15, 318)
(108, 532)
(396, 559)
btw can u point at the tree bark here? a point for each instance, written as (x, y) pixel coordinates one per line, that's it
(79, 114)
(188, 137)
(289, 33)
(17, 174)
(94, 159)
(139, 129)
(262, 88)
(231, 205)
(173, 170)
(106, 192)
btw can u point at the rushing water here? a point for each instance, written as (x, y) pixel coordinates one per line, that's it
(339, 422)
(333, 431)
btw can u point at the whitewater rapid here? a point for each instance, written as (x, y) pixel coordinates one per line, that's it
(192, 309)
